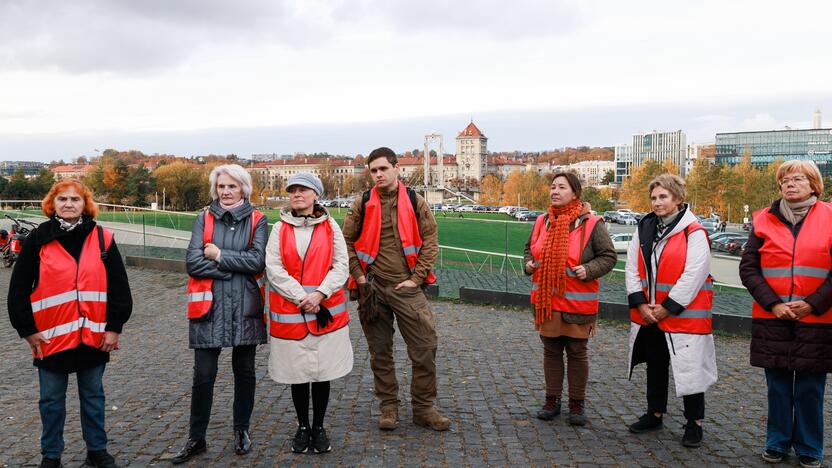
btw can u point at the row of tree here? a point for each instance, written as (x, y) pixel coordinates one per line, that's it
(19, 187)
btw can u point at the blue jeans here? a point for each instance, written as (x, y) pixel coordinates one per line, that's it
(795, 412)
(52, 407)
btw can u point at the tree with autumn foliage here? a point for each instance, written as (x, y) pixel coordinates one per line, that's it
(526, 188)
(491, 190)
(634, 189)
(185, 185)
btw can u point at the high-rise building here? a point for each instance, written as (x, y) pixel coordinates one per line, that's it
(471, 153)
(623, 162)
(817, 120)
(768, 146)
(658, 146)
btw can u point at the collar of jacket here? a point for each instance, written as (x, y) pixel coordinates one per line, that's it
(235, 215)
(50, 230)
(319, 215)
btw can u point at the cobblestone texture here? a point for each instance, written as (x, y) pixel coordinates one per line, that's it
(490, 385)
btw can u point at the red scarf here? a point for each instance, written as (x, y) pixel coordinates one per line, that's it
(554, 255)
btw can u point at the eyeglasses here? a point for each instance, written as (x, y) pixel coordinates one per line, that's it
(795, 179)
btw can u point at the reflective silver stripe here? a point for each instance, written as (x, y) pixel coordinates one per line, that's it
(94, 326)
(707, 286)
(201, 296)
(410, 250)
(309, 289)
(576, 296)
(261, 281)
(366, 257)
(664, 286)
(811, 271)
(62, 329)
(338, 308)
(644, 283)
(777, 272)
(695, 313)
(793, 298)
(92, 296)
(57, 299)
(301, 318)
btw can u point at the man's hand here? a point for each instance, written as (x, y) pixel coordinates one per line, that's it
(659, 312)
(34, 343)
(580, 272)
(406, 284)
(646, 313)
(310, 302)
(110, 341)
(783, 312)
(361, 279)
(211, 251)
(799, 309)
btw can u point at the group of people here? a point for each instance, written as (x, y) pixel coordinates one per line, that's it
(69, 298)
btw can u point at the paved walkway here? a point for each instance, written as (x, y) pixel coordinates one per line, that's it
(490, 385)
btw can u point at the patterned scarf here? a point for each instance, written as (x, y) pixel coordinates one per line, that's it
(554, 255)
(68, 226)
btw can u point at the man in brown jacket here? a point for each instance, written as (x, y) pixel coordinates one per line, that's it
(390, 289)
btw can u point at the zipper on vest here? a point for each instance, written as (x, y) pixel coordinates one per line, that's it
(302, 265)
(794, 248)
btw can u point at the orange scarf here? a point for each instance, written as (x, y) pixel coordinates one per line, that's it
(554, 255)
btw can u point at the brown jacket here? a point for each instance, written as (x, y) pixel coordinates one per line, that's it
(391, 264)
(598, 258)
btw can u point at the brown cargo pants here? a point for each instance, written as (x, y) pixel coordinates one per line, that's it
(409, 307)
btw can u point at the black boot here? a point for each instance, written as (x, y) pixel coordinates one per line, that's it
(192, 448)
(242, 441)
(47, 462)
(550, 409)
(100, 459)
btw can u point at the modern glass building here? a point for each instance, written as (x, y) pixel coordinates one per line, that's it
(766, 147)
(658, 146)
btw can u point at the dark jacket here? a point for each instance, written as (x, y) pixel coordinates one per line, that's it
(25, 277)
(785, 344)
(236, 316)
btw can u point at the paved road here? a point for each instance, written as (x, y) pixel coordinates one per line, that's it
(490, 385)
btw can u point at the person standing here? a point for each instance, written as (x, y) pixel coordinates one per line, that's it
(69, 298)
(307, 266)
(568, 250)
(225, 261)
(670, 294)
(786, 267)
(392, 243)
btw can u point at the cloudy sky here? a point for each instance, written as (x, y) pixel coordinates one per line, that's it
(343, 76)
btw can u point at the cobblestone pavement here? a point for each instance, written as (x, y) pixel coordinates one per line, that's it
(490, 385)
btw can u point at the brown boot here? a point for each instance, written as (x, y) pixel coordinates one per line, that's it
(432, 419)
(389, 419)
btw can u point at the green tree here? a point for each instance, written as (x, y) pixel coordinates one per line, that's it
(18, 187)
(140, 183)
(609, 177)
(594, 197)
(42, 182)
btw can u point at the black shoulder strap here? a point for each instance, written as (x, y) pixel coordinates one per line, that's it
(412, 195)
(101, 243)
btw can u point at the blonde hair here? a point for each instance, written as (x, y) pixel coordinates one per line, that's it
(670, 182)
(805, 167)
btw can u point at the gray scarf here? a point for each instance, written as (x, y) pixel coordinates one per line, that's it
(795, 212)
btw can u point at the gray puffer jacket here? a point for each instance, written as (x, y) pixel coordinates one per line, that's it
(236, 316)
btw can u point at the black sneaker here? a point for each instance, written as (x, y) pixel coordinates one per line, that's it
(47, 462)
(648, 422)
(773, 456)
(808, 462)
(100, 459)
(551, 408)
(320, 442)
(693, 435)
(300, 444)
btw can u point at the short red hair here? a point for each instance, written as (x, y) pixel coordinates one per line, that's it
(48, 202)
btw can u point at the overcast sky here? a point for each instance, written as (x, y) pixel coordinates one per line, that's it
(213, 76)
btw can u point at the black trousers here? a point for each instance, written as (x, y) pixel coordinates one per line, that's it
(651, 346)
(202, 392)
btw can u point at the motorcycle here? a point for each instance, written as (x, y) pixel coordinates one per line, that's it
(12, 243)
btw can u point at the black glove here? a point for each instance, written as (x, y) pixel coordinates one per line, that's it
(323, 317)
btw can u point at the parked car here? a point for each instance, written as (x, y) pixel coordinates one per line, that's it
(621, 242)
(627, 219)
(610, 216)
(466, 208)
(530, 215)
(519, 213)
(481, 208)
(721, 244)
(736, 246)
(345, 204)
(719, 235)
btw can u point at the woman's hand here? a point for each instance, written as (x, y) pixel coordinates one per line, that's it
(799, 309)
(110, 341)
(531, 266)
(646, 313)
(580, 272)
(659, 312)
(783, 312)
(211, 251)
(34, 343)
(310, 302)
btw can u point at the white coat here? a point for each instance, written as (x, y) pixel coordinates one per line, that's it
(692, 356)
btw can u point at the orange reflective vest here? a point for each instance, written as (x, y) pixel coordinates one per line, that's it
(580, 297)
(794, 267)
(696, 318)
(366, 247)
(287, 320)
(70, 301)
(200, 293)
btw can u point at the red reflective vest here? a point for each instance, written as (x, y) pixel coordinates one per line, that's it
(200, 294)
(287, 320)
(366, 247)
(70, 301)
(795, 267)
(580, 297)
(696, 318)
